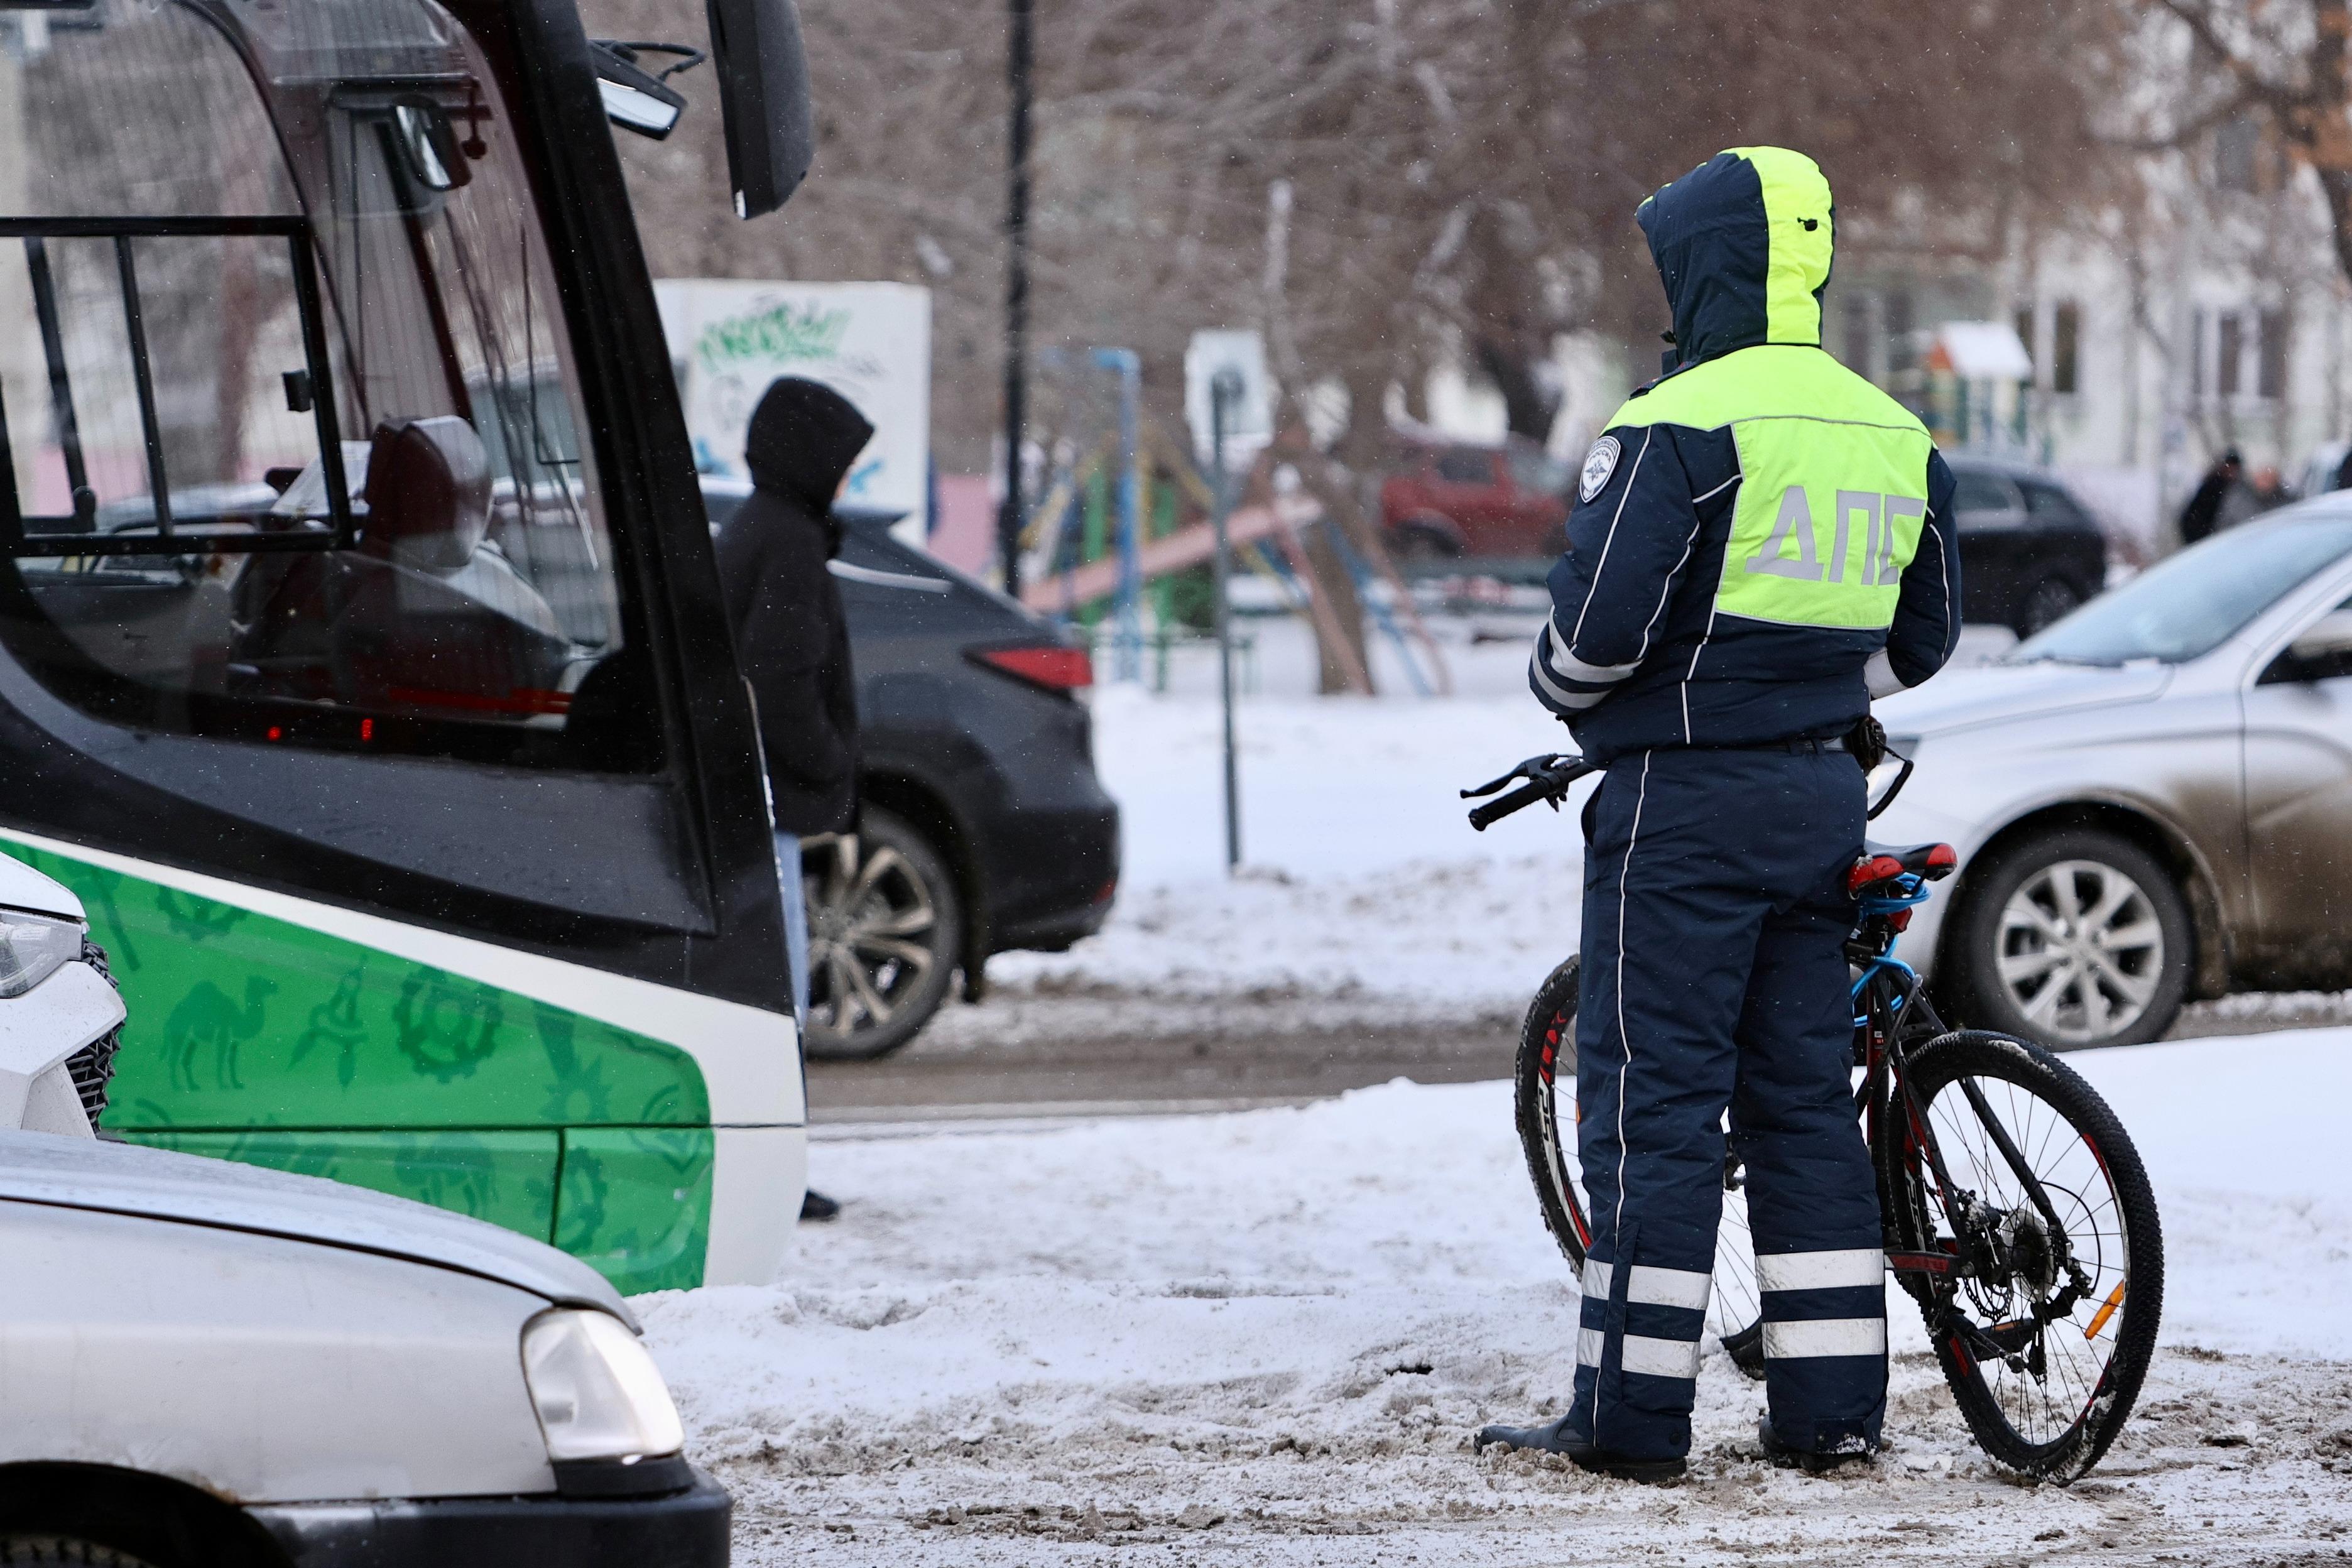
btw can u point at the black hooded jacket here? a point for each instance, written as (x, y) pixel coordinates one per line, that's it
(781, 605)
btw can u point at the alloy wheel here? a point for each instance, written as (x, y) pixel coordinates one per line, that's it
(2081, 951)
(872, 921)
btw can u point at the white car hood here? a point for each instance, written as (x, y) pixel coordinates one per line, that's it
(22, 888)
(153, 1183)
(1996, 693)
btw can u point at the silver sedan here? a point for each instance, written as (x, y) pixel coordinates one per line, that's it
(2152, 799)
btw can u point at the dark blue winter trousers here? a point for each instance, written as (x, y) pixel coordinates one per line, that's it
(1715, 979)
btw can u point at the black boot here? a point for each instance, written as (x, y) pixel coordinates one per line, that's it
(1555, 1439)
(1787, 1456)
(815, 1205)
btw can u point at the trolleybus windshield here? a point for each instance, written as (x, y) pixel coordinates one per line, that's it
(290, 412)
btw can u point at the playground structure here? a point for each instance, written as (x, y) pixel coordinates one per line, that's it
(1122, 530)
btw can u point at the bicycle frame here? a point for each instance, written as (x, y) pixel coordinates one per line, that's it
(1891, 1012)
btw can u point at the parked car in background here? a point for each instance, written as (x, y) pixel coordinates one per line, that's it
(2030, 552)
(2152, 799)
(1457, 499)
(210, 1363)
(982, 828)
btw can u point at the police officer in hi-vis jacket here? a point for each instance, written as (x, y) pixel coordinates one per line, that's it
(1762, 542)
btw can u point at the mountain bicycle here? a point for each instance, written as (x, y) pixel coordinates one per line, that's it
(2016, 1211)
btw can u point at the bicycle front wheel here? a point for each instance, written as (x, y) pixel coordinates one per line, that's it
(1545, 1084)
(2047, 1320)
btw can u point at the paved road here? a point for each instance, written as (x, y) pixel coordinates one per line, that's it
(1012, 1058)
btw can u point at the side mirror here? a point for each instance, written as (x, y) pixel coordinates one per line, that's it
(763, 94)
(635, 98)
(2326, 641)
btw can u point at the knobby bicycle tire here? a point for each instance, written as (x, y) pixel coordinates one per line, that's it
(1547, 1045)
(2133, 1258)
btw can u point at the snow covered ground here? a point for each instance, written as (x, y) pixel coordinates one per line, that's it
(1265, 1338)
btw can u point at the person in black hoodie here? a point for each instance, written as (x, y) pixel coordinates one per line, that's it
(791, 638)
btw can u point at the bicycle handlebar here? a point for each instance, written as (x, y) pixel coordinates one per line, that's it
(1548, 777)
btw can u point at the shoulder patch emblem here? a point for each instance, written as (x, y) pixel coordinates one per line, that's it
(1599, 464)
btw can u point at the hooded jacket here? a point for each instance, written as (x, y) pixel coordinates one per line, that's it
(1762, 540)
(791, 639)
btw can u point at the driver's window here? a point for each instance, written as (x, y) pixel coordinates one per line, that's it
(331, 331)
(2321, 651)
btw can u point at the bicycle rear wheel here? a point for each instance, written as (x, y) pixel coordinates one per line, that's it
(1545, 1082)
(2046, 1325)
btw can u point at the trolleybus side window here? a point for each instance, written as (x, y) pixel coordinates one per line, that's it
(292, 446)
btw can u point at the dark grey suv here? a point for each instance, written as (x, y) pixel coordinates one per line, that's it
(2030, 552)
(982, 825)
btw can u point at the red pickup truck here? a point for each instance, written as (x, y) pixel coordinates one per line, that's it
(1456, 499)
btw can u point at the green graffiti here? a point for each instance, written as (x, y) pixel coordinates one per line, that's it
(336, 1022)
(192, 918)
(206, 1028)
(635, 1204)
(446, 1028)
(787, 331)
(252, 1038)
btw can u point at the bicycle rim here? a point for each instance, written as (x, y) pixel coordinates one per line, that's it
(2044, 1365)
(1545, 1086)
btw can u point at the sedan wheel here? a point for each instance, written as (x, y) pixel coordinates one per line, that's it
(2075, 937)
(885, 931)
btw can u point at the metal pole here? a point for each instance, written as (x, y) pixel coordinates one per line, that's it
(1009, 518)
(1128, 366)
(1225, 391)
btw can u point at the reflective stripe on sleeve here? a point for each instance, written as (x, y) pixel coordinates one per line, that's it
(1825, 1337)
(1598, 1276)
(1660, 1358)
(1588, 1347)
(1840, 1269)
(1567, 664)
(1559, 695)
(1669, 1287)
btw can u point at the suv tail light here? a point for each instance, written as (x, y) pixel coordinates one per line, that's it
(1053, 666)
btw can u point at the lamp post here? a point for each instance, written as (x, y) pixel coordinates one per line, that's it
(1019, 55)
(1225, 391)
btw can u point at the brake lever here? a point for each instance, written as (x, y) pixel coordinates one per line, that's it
(1528, 770)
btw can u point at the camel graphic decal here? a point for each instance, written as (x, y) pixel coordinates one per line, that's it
(207, 1023)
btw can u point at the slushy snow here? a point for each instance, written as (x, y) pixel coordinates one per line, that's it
(1267, 1337)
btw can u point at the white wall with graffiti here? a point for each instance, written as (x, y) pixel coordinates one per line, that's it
(728, 338)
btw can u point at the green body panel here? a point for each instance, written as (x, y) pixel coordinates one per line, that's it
(506, 1178)
(1832, 501)
(633, 1203)
(259, 1040)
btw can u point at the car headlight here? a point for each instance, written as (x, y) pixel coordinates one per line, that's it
(598, 1393)
(33, 947)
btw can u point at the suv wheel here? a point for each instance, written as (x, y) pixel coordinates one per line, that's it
(2075, 937)
(886, 928)
(2051, 599)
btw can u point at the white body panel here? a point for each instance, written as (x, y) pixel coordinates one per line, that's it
(222, 1195)
(259, 1368)
(37, 1031)
(2165, 742)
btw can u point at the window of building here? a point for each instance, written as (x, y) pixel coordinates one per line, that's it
(2270, 353)
(2066, 347)
(2237, 155)
(2229, 350)
(2023, 322)
(194, 313)
(1901, 355)
(1853, 324)
(2197, 380)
